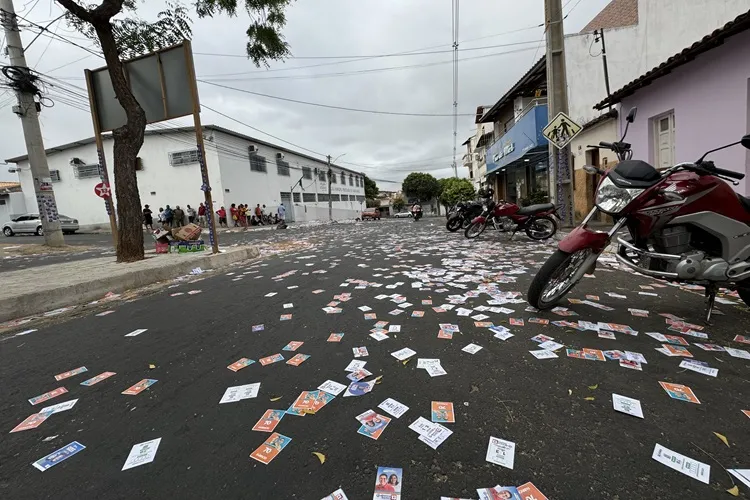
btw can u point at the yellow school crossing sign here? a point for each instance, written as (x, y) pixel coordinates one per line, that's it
(561, 130)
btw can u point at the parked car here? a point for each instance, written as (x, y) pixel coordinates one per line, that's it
(403, 215)
(31, 224)
(371, 213)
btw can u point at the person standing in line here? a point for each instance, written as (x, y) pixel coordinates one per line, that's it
(259, 213)
(281, 212)
(264, 215)
(222, 213)
(233, 214)
(148, 220)
(191, 214)
(243, 215)
(178, 217)
(168, 214)
(202, 220)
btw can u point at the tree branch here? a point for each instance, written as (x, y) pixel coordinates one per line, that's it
(108, 9)
(77, 10)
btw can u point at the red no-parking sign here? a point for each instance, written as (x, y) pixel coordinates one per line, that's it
(103, 190)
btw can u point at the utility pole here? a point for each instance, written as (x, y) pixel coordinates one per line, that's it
(557, 99)
(330, 202)
(23, 83)
(599, 35)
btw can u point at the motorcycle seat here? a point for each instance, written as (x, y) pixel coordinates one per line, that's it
(634, 174)
(533, 209)
(745, 201)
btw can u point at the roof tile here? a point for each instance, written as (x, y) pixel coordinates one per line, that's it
(617, 14)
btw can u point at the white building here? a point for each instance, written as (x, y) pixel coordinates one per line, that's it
(11, 201)
(476, 148)
(241, 169)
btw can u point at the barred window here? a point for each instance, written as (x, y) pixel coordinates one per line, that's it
(54, 175)
(333, 178)
(322, 197)
(351, 180)
(296, 197)
(86, 171)
(258, 163)
(186, 157)
(306, 173)
(360, 198)
(321, 175)
(343, 178)
(335, 197)
(308, 197)
(282, 167)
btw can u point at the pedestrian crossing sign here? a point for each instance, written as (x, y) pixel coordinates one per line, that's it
(561, 130)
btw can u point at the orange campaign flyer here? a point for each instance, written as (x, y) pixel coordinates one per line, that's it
(747, 413)
(271, 359)
(442, 412)
(139, 387)
(530, 492)
(677, 350)
(31, 422)
(269, 421)
(298, 359)
(305, 401)
(272, 447)
(240, 364)
(442, 334)
(292, 346)
(335, 337)
(681, 392)
(47, 396)
(70, 373)
(593, 354)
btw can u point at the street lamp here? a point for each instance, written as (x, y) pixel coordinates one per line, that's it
(330, 201)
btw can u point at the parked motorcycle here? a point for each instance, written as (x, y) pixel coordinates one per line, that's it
(504, 216)
(463, 214)
(684, 225)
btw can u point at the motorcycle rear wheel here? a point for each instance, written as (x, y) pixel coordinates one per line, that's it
(541, 228)
(475, 229)
(555, 278)
(453, 224)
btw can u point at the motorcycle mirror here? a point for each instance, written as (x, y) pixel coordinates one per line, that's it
(590, 169)
(631, 115)
(745, 141)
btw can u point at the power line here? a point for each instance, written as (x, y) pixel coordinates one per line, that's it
(329, 106)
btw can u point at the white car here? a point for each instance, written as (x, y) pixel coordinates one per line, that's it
(403, 215)
(31, 224)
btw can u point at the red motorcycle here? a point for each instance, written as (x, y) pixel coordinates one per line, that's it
(504, 216)
(685, 225)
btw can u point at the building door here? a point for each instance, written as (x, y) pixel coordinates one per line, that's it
(664, 140)
(286, 199)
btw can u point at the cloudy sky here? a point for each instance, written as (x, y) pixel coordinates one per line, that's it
(499, 40)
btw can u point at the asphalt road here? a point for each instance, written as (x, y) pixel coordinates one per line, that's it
(569, 441)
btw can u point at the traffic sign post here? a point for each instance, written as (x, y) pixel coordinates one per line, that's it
(561, 130)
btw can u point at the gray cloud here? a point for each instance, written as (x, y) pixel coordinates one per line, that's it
(332, 28)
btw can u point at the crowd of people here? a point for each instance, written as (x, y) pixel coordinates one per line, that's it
(239, 216)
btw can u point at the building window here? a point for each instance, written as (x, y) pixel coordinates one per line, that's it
(322, 197)
(308, 197)
(186, 157)
(257, 163)
(333, 178)
(54, 175)
(664, 128)
(321, 175)
(2, 202)
(306, 173)
(86, 171)
(351, 180)
(360, 198)
(335, 197)
(282, 168)
(343, 178)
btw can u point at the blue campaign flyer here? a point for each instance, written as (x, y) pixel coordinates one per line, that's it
(58, 456)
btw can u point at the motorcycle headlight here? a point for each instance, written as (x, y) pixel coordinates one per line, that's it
(613, 199)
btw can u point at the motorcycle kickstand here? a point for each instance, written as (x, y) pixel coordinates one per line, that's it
(512, 235)
(710, 300)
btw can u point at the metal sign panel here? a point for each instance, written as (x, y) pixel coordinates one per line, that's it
(159, 81)
(561, 130)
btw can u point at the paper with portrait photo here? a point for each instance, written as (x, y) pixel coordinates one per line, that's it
(388, 483)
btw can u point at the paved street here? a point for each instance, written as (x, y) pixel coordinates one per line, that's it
(569, 441)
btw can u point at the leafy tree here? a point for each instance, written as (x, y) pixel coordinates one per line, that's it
(116, 28)
(455, 190)
(372, 203)
(398, 203)
(421, 185)
(371, 189)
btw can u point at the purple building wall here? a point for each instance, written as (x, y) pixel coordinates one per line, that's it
(710, 97)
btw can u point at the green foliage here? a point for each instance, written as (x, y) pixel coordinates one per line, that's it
(135, 36)
(372, 203)
(398, 203)
(534, 198)
(371, 189)
(455, 190)
(421, 186)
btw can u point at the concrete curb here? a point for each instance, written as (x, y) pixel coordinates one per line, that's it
(55, 297)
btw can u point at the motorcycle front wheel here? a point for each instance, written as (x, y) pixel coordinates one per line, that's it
(541, 228)
(556, 278)
(465, 223)
(475, 229)
(453, 224)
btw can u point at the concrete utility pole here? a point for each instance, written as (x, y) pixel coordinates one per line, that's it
(557, 100)
(32, 133)
(330, 202)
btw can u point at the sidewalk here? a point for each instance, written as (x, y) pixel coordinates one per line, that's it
(45, 288)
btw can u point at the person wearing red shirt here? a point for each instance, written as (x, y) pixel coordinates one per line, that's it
(222, 213)
(202, 216)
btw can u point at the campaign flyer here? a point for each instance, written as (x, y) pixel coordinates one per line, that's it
(272, 447)
(292, 346)
(47, 396)
(516, 322)
(442, 334)
(388, 483)
(298, 359)
(528, 491)
(31, 422)
(360, 352)
(240, 364)
(681, 392)
(500, 493)
(139, 387)
(335, 337)
(58, 456)
(373, 424)
(71, 373)
(269, 421)
(275, 358)
(442, 412)
(98, 378)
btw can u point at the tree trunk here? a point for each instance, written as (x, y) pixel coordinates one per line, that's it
(128, 140)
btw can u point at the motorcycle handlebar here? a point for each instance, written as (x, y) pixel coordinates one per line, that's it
(727, 173)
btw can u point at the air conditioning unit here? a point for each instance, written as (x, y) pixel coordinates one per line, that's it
(477, 156)
(252, 148)
(279, 156)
